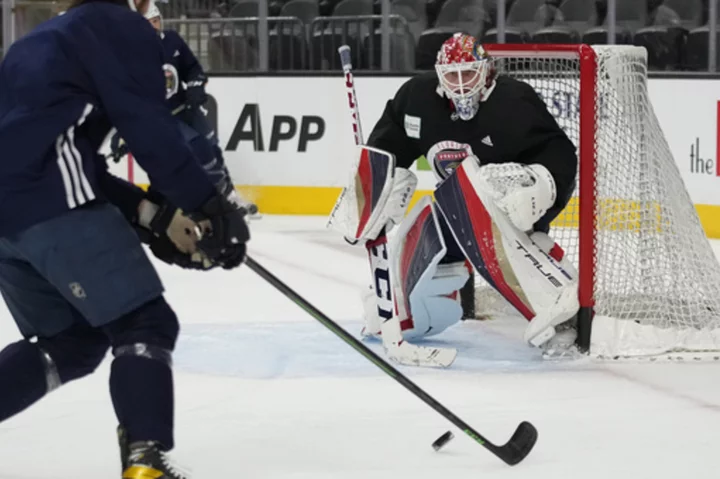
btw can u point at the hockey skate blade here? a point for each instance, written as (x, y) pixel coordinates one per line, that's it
(410, 355)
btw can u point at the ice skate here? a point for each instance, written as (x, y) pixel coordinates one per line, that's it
(124, 447)
(145, 460)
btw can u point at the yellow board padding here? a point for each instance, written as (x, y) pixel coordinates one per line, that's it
(710, 219)
(627, 215)
(299, 200)
(618, 215)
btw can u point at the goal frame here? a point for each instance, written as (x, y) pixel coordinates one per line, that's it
(587, 159)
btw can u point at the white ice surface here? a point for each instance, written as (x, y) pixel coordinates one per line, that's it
(263, 391)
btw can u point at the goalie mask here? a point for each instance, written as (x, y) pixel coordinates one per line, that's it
(465, 72)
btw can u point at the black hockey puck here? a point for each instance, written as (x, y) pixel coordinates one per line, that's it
(442, 440)
(252, 208)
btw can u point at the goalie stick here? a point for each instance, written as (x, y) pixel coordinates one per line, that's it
(395, 347)
(512, 452)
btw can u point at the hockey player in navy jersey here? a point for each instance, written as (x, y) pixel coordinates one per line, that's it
(72, 271)
(185, 82)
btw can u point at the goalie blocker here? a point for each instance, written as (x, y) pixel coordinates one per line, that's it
(477, 207)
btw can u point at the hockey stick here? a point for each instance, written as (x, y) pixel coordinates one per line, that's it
(514, 451)
(391, 334)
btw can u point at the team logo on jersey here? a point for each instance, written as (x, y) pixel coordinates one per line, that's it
(77, 290)
(172, 80)
(445, 156)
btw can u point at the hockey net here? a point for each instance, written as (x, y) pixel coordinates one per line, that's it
(645, 264)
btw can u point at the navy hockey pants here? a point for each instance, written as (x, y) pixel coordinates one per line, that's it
(85, 264)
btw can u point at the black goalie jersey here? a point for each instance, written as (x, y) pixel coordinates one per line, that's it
(512, 125)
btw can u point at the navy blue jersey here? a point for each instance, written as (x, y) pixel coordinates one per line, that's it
(181, 69)
(62, 87)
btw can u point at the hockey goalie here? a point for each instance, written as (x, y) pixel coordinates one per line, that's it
(505, 170)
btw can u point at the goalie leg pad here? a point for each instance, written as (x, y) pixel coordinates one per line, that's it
(542, 328)
(426, 293)
(539, 286)
(371, 318)
(435, 303)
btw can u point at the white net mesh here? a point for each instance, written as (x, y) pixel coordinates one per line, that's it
(657, 281)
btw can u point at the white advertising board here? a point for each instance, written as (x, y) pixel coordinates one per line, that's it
(688, 111)
(296, 131)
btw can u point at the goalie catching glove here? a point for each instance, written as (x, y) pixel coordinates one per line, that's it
(523, 192)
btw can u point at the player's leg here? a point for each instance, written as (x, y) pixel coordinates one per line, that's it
(58, 345)
(95, 261)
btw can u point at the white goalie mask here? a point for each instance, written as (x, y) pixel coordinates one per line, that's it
(465, 72)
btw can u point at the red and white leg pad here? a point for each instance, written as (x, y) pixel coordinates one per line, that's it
(520, 267)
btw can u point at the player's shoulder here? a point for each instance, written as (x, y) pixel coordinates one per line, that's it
(111, 21)
(509, 86)
(516, 95)
(423, 82)
(418, 87)
(171, 36)
(102, 10)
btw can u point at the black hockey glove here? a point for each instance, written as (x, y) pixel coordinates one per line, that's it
(164, 249)
(171, 235)
(195, 92)
(224, 231)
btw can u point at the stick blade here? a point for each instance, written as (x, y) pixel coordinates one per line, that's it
(519, 445)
